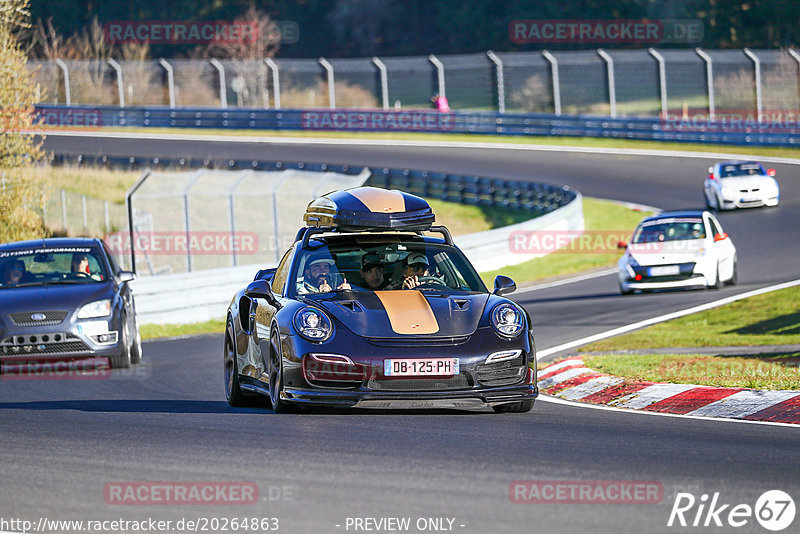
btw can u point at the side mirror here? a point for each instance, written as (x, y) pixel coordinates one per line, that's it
(260, 289)
(126, 276)
(720, 237)
(266, 274)
(503, 285)
(771, 172)
(711, 170)
(622, 244)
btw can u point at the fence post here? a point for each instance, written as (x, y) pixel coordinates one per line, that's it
(709, 81)
(384, 82)
(439, 72)
(170, 81)
(232, 212)
(331, 88)
(757, 67)
(65, 69)
(276, 81)
(186, 224)
(120, 85)
(64, 209)
(556, 84)
(612, 92)
(662, 80)
(223, 94)
(501, 85)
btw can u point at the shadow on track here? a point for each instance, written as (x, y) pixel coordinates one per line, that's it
(132, 405)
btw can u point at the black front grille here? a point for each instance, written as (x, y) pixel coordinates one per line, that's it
(51, 318)
(459, 381)
(417, 341)
(502, 373)
(42, 345)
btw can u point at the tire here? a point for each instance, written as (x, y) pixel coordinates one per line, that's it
(276, 377)
(123, 359)
(625, 291)
(718, 283)
(515, 407)
(735, 275)
(233, 393)
(708, 202)
(136, 346)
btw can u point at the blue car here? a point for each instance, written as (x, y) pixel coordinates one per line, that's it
(65, 300)
(374, 307)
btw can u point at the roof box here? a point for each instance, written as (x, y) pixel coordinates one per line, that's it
(369, 208)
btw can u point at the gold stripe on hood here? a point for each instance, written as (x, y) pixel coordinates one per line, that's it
(380, 200)
(409, 312)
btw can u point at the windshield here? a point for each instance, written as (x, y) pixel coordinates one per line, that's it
(669, 230)
(384, 267)
(741, 169)
(45, 266)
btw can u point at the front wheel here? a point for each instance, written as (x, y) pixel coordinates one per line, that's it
(123, 359)
(735, 274)
(515, 407)
(233, 393)
(276, 377)
(718, 283)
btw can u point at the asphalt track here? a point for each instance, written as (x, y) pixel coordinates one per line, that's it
(62, 441)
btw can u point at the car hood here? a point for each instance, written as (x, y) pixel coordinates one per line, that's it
(52, 297)
(667, 252)
(383, 314)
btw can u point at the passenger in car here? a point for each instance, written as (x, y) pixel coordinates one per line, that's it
(317, 276)
(372, 269)
(16, 273)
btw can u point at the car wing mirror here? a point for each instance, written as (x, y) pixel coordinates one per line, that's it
(126, 276)
(503, 285)
(622, 244)
(260, 289)
(771, 172)
(720, 237)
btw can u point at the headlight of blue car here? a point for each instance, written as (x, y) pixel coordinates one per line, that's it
(507, 320)
(98, 308)
(313, 324)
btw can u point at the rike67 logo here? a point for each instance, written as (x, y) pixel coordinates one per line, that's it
(774, 510)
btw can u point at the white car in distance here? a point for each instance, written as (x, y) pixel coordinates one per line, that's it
(681, 249)
(740, 184)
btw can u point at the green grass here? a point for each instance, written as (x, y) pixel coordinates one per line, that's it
(465, 219)
(153, 331)
(757, 372)
(95, 182)
(607, 218)
(769, 319)
(786, 152)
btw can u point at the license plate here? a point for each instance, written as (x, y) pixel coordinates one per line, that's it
(421, 367)
(667, 270)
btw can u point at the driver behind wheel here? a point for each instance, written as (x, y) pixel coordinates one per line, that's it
(80, 264)
(414, 266)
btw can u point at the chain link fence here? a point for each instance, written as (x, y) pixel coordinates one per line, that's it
(634, 83)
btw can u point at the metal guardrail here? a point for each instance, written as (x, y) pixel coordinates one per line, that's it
(721, 131)
(535, 198)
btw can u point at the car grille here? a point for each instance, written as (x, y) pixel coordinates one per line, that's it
(39, 345)
(459, 381)
(418, 341)
(24, 318)
(502, 373)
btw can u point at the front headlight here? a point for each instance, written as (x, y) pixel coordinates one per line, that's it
(98, 308)
(727, 191)
(507, 320)
(313, 324)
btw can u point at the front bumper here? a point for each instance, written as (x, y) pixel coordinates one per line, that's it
(748, 202)
(690, 275)
(462, 400)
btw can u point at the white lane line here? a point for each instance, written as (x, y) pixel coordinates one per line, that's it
(650, 395)
(555, 400)
(591, 386)
(661, 318)
(561, 365)
(411, 143)
(744, 403)
(563, 377)
(571, 280)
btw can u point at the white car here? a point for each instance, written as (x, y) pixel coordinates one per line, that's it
(740, 184)
(680, 249)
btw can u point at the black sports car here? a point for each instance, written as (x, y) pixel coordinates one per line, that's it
(62, 300)
(366, 309)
